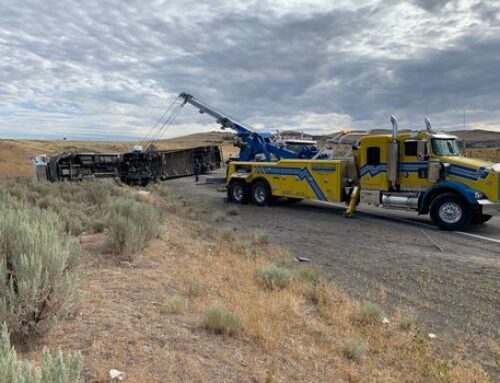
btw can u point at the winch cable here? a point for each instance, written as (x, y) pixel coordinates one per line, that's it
(165, 125)
(151, 132)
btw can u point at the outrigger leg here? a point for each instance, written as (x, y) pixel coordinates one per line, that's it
(353, 202)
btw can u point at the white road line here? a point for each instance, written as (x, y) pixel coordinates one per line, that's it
(430, 226)
(433, 227)
(478, 236)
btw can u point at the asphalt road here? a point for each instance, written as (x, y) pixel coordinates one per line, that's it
(450, 280)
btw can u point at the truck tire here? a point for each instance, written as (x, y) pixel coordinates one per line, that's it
(238, 192)
(450, 212)
(480, 218)
(261, 193)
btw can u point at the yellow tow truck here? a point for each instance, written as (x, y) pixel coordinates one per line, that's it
(424, 171)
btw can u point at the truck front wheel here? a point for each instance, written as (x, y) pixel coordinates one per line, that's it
(450, 212)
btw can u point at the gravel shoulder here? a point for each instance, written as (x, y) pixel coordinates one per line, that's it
(378, 257)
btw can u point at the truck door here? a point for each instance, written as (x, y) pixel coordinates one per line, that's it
(373, 169)
(412, 170)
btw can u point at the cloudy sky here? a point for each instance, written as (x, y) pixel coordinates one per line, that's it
(108, 69)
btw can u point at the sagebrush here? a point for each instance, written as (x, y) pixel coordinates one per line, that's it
(63, 368)
(274, 277)
(132, 224)
(38, 268)
(81, 206)
(220, 320)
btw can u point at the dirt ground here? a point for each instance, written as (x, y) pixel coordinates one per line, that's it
(384, 256)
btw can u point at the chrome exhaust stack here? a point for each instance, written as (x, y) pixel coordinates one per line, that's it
(392, 154)
(428, 125)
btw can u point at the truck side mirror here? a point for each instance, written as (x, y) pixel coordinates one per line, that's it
(423, 150)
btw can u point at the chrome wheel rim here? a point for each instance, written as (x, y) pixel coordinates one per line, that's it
(238, 193)
(260, 194)
(450, 212)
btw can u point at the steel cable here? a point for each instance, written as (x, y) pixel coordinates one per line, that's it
(151, 132)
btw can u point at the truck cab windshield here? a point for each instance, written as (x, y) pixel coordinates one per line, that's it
(445, 147)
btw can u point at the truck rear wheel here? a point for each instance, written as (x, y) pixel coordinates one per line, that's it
(261, 193)
(238, 192)
(450, 212)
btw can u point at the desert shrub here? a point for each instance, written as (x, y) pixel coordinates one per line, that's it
(353, 349)
(132, 224)
(273, 277)
(63, 368)
(287, 261)
(243, 246)
(220, 320)
(49, 202)
(315, 289)
(98, 193)
(82, 206)
(38, 268)
(196, 288)
(259, 238)
(310, 275)
(370, 313)
(177, 304)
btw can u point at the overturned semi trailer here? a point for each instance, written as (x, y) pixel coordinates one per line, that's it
(134, 168)
(76, 166)
(141, 168)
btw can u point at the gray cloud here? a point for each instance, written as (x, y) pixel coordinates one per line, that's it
(111, 68)
(432, 5)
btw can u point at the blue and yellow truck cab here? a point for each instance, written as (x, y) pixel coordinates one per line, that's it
(422, 171)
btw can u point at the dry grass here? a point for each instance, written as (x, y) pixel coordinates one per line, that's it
(490, 154)
(304, 332)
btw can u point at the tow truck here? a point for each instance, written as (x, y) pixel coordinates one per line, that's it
(423, 171)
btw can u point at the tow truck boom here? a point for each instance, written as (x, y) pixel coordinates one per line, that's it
(252, 143)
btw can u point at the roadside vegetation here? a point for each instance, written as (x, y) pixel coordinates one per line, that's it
(63, 368)
(198, 299)
(41, 260)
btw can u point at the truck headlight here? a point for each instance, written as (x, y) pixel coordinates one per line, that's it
(478, 195)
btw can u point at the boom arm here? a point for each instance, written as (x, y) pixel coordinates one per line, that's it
(221, 118)
(253, 143)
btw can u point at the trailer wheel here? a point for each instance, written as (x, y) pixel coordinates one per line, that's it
(261, 193)
(480, 218)
(450, 212)
(238, 192)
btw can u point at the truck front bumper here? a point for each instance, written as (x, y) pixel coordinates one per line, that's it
(488, 207)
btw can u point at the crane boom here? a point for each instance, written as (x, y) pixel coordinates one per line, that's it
(252, 143)
(221, 118)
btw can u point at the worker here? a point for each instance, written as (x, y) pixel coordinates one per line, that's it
(197, 169)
